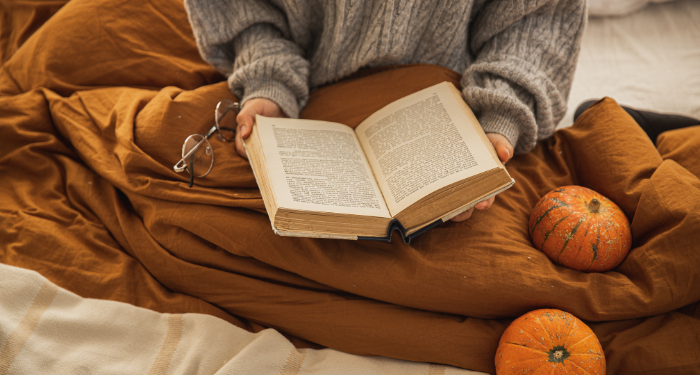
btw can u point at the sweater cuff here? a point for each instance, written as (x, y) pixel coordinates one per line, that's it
(272, 90)
(494, 122)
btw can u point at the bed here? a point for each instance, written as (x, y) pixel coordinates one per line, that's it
(97, 97)
(647, 59)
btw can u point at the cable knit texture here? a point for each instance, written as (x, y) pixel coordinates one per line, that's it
(517, 57)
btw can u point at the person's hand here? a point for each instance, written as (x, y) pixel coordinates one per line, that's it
(246, 119)
(505, 151)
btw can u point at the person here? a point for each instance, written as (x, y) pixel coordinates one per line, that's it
(517, 58)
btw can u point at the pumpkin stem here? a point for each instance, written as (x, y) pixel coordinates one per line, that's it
(593, 205)
(558, 354)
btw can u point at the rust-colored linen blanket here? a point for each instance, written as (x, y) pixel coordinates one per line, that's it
(95, 106)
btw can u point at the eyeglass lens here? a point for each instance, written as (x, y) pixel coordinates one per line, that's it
(202, 159)
(226, 112)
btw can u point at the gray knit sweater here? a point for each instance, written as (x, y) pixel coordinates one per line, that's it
(517, 57)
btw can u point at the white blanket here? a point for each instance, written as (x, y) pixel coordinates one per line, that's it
(47, 330)
(647, 60)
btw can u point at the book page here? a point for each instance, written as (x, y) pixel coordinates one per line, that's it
(421, 143)
(318, 166)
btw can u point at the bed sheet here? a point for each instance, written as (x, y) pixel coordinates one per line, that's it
(47, 330)
(649, 59)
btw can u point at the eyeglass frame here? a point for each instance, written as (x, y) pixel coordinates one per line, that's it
(181, 165)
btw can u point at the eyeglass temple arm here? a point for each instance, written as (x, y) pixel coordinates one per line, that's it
(180, 166)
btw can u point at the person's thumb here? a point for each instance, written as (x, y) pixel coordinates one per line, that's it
(503, 147)
(245, 120)
(505, 151)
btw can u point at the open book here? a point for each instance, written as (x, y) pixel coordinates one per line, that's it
(414, 164)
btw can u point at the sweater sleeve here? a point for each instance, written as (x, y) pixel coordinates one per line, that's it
(249, 41)
(525, 54)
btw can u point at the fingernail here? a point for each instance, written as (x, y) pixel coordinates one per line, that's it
(243, 129)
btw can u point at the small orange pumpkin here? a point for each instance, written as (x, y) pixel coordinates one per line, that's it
(580, 229)
(549, 341)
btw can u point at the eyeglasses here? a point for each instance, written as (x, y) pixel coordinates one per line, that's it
(197, 153)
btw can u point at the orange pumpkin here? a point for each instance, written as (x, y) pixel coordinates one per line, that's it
(549, 341)
(580, 229)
